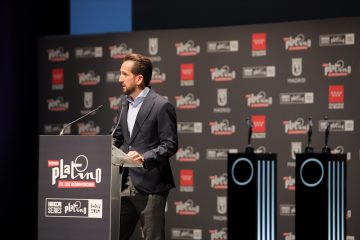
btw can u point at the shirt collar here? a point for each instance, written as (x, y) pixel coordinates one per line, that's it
(140, 98)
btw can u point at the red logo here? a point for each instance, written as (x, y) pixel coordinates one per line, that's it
(336, 93)
(259, 123)
(57, 78)
(53, 163)
(186, 178)
(187, 71)
(258, 41)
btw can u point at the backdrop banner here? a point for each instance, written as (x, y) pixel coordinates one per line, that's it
(276, 75)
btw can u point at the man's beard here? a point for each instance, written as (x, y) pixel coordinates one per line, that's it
(129, 90)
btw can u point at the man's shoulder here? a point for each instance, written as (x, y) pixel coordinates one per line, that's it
(159, 98)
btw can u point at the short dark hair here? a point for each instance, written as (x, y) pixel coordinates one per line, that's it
(142, 65)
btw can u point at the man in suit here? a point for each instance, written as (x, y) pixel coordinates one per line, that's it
(147, 132)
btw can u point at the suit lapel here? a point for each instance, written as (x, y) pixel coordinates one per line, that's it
(143, 114)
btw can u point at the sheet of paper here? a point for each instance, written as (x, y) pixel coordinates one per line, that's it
(119, 157)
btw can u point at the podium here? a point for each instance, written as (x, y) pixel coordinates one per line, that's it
(320, 196)
(252, 196)
(78, 195)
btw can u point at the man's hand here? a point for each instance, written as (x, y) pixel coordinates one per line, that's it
(137, 157)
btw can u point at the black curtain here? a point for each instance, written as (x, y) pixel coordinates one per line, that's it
(22, 23)
(164, 14)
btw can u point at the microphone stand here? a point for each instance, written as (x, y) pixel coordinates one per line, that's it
(326, 148)
(122, 105)
(309, 148)
(249, 148)
(67, 125)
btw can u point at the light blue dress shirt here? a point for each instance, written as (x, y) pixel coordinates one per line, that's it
(134, 107)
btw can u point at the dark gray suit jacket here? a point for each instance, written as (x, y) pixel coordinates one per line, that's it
(155, 137)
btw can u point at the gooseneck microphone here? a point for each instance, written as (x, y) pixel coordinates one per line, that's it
(249, 149)
(123, 104)
(67, 125)
(309, 148)
(326, 148)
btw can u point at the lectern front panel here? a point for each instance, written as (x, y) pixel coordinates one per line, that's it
(320, 196)
(252, 196)
(74, 187)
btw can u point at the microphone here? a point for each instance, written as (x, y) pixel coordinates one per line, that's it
(326, 148)
(249, 149)
(123, 104)
(67, 125)
(309, 148)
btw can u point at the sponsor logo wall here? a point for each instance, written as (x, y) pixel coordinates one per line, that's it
(277, 75)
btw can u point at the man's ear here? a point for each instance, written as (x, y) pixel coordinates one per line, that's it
(139, 80)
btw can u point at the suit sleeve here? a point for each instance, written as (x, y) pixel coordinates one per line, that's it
(167, 135)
